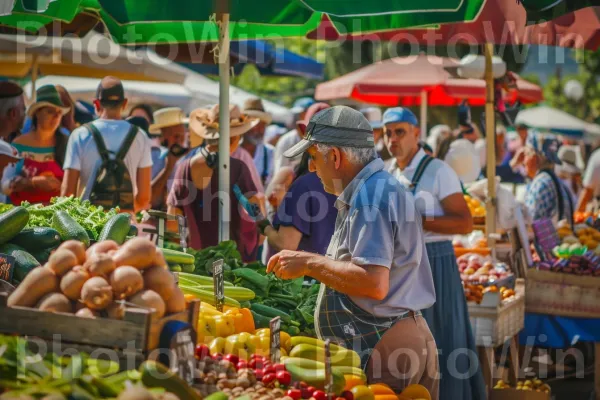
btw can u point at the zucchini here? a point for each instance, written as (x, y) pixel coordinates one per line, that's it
(175, 268)
(189, 268)
(260, 281)
(207, 297)
(69, 229)
(271, 312)
(12, 222)
(199, 279)
(260, 321)
(43, 255)
(37, 239)
(177, 257)
(238, 293)
(24, 262)
(117, 228)
(157, 375)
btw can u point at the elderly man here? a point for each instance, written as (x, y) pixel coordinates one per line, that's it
(375, 277)
(169, 129)
(12, 110)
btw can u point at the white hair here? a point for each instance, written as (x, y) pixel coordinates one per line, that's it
(9, 103)
(356, 156)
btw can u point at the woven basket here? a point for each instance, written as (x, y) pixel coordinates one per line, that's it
(492, 326)
(556, 293)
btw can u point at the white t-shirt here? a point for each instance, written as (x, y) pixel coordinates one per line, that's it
(286, 142)
(591, 179)
(437, 182)
(82, 153)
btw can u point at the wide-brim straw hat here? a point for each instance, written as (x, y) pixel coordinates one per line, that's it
(205, 122)
(47, 96)
(166, 117)
(254, 107)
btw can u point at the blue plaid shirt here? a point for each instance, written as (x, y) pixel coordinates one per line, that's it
(541, 198)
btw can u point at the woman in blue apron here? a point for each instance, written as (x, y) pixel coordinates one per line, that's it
(439, 198)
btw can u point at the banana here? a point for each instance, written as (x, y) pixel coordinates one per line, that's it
(297, 340)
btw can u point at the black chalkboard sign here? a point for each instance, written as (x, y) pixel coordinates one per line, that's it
(275, 328)
(219, 284)
(7, 267)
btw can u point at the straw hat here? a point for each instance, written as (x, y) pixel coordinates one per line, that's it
(205, 122)
(47, 96)
(165, 117)
(571, 160)
(253, 107)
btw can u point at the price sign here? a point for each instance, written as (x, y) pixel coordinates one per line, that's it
(275, 328)
(183, 231)
(219, 282)
(7, 267)
(182, 354)
(328, 375)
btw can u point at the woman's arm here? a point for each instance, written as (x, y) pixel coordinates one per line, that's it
(285, 238)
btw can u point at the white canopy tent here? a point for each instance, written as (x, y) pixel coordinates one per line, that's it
(545, 118)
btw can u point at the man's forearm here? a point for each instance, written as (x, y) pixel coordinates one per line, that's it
(346, 277)
(448, 224)
(159, 186)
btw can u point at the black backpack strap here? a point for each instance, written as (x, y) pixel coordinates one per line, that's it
(133, 130)
(425, 161)
(265, 173)
(102, 150)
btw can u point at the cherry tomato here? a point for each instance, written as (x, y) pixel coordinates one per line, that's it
(348, 395)
(279, 367)
(306, 394)
(259, 374)
(268, 370)
(319, 395)
(295, 394)
(217, 356)
(202, 351)
(311, 389)
(268, 378)
(241, 364)
(255, 364)
(284, 378)
(232, 358)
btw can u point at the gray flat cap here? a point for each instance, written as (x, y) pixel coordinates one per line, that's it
(337, 126)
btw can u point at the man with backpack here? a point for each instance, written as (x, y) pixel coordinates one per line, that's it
(108, 161)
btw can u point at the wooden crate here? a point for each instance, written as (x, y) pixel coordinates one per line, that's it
(494, 322)
(132, 339)
(513, 394)
(557, 293)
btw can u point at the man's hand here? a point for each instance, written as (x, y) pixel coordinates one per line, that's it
(518, 158)
(289, 264)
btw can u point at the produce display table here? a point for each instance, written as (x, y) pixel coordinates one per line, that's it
(560, 332)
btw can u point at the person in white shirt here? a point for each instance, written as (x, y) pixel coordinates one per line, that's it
(82, 158)
(294, 136)
(254, 140)
(439, 198)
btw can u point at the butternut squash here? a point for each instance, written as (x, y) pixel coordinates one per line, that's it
(126, 281)
(38, 283)
(96, 293)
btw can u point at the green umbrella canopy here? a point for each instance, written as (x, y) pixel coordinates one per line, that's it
(181, 21)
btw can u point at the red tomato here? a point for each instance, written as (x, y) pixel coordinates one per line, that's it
(284, 378)
(232, 358)
(268, 378)
(295, 394)
(241, 364)
(202, 351)
(269, 369)
(319, 395)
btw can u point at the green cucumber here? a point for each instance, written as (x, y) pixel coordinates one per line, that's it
(177, 257)
(175, 268)
(68, 228)
(37, 239)
(157, 375)
(43, 255)
(117, 228)
(238, 293)
(271, 312)
(258, 280)
(260, 321)
(199, 279)
(12, 222)
(24, 262)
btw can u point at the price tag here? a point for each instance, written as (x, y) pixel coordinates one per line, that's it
(219, 282)
(328, 374)
(7, 267)
(183, 231)
(275, 328)
(182, 354)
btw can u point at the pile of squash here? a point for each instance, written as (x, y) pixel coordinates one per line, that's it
(100, 281)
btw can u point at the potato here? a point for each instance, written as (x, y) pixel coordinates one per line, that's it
(75, 247)
(160, 280)
(102, 247)
(87, 313)
(149, 300)
(126, 281)
(100, 265)
(73, 281)
(55, 302)
(38, 283)
(176, 303)
(96, 293)
(138, 252)
(61, 261)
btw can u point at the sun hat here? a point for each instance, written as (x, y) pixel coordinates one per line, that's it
(336, 126)
(571, 160)
(374, 116)
(8, 151)
(462, 157)
(47, 96)
(165, 117)
(253, 107)
(545, 145)
(399, 114)
(302, 104)
(205, 122)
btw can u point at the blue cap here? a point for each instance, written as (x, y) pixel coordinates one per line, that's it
(302, 104)
(546, 145)
(399, 114)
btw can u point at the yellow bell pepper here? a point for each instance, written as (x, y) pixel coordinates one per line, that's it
(242, 319)
(285, 338)
(213, 326)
